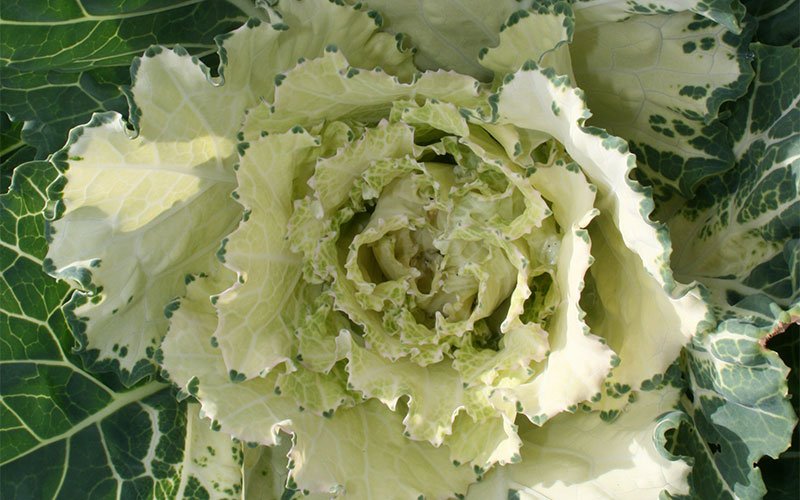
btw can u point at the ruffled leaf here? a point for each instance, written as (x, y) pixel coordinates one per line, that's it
(177, 173)
(621, 230)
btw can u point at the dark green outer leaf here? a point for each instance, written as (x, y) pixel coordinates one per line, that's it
(61, 61)
(53, 102)
(13, 150)
(781, 476)
(42, 35)
(778, 21)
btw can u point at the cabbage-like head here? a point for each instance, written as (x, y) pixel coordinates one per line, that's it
(421, 276)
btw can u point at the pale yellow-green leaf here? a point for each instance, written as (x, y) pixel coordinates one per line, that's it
(541, 35)
(379, 462)
(260, 312)
(435, 392)
(484, 442)
(329, 88)
(136, 225)
(248, 410)
(319, 393)
(581, 456)
(211, 459)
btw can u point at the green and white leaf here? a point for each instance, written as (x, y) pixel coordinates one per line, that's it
(739, 235)
(738, 410)
(724, 12)
(65, 432)
(739, 403)
(658, 81)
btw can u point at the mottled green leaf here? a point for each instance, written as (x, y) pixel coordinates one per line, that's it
(728, 13)
(739, 235)
(738, 411)
(658, 81)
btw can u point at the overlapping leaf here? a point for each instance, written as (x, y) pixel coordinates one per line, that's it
(451, 34)
(63, 61)
(65, 433)
(658, 81)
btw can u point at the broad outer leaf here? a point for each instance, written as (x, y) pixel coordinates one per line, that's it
(728, 13)
(739, 236)
(50, 103)
(63, 432)
(13, 150)
(75, 36)
(777, 21)
(739, 409)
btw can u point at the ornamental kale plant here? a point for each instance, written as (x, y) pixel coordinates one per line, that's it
(513, 249)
